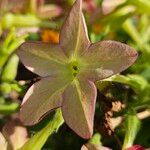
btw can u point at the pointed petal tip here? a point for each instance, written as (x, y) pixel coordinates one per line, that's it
(79, 2)
(131, 52)
(89, 135)
(86, 135)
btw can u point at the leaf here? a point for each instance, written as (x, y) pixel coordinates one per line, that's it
(10, 44)
(142, 6)
(146, 73)
(78, 107)
(41, 137)
(10, 70)
(106, 59)
(42, 97)
(74, 38)
(42, 58)
(137, 82)
(9, 108)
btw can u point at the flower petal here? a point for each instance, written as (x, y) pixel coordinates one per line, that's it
(15, 133)
(74, 37)
(136, 147)
(107, 58)
(3, 142)
(78, 107)
(42, 58)
(42, 97)
(90, 146)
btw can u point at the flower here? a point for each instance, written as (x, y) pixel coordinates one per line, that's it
(50, 36)
(136, 147)
(90, 146)
(69, 70)
(13, 136)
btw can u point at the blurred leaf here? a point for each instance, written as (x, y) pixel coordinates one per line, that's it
(18, 20)
(146, 73)
(5, 88)
(143, 6)
(132, 31)
(39, 139)
(120, 15)
(10, 71)
(10, 44)
(9, 108)
(137, 82)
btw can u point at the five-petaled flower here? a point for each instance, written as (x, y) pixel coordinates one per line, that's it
(69, 70)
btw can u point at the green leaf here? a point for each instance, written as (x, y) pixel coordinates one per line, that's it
(143, 6)
(146, 73)
(18, 20)
(39, 139)
(10, 44)
(9, 108)
(10, 70)
(137, 82)
(129, 27)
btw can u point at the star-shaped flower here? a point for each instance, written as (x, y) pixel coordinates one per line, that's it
(69, 70)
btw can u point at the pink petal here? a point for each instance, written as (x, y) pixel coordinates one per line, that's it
(107, 58)
(90, 146)
(74, 38)
(42, 97)
(136, 147)
(15, 133)
(78, 107)
(42, 58)
(49, 11)
(3, 142)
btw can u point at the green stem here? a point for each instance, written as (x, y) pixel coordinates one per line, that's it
(10, 70)
(142, 5)
(39, 139)
(8, 108)
(96, 139)
(132, 31)
(28, 20)
(129, 27)
(132, 124)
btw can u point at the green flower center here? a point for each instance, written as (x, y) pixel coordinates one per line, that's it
(74, 68)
